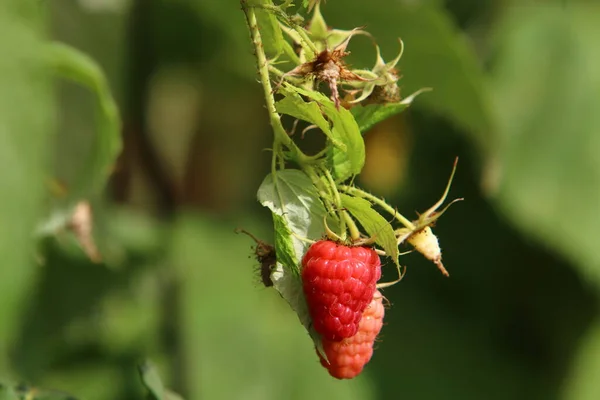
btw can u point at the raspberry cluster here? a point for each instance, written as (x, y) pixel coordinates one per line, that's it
(339, 284)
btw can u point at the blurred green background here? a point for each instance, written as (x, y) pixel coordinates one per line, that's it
(516, 96)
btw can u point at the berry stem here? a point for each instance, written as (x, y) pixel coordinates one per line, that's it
(358, 192)
(337, 200)
(354, 232)
(325, 192)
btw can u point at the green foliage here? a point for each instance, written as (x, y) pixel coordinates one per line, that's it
(369, 115)
(547, 162)
(292, 196)
(7, 393)
(375, 225)
(26, 130)
(270, 30)
(347, 162)
(69, 63)
(179, 287)
(293, 104)
(284, 244)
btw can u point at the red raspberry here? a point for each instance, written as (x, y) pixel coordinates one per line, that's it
(338, 282)
(348, 357)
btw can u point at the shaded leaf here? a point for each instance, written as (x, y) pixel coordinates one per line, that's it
(375, 225)
(344, 163)
(368, 116)
(546, 84)
(292, 104)
(284, 244)
(70, 63)
(26, 127)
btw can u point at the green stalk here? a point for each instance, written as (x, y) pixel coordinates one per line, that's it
(338, 205)
(281, 135)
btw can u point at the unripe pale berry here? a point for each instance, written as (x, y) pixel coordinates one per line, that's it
(347, 358)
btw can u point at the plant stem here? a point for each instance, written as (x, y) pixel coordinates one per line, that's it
(337, 200)
(358, 192)
(354, 232)
(281, 135)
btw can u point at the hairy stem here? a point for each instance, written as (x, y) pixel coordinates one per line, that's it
(337, 200)
(281, 135)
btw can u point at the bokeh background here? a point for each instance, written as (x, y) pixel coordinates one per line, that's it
(516, 96)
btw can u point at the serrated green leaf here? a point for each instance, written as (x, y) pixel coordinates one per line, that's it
(375, 225)
(69, 63)
(270, 31)
(350, 162)
(284, 244)
(368, 116)
(292, 104)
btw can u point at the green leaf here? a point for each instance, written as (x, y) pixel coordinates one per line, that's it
(26, 127)
(296, 209)
(71, 64)
(293, 197)
(344, 163)
(546, 172)
(368, 116)
(292, 104)
(270, 31)
(375, 225)
(284, 244)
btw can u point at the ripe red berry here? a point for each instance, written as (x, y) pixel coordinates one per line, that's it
(348, 357)
(338, 282)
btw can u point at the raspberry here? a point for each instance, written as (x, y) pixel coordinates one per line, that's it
(348, 357)
(338, 282)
